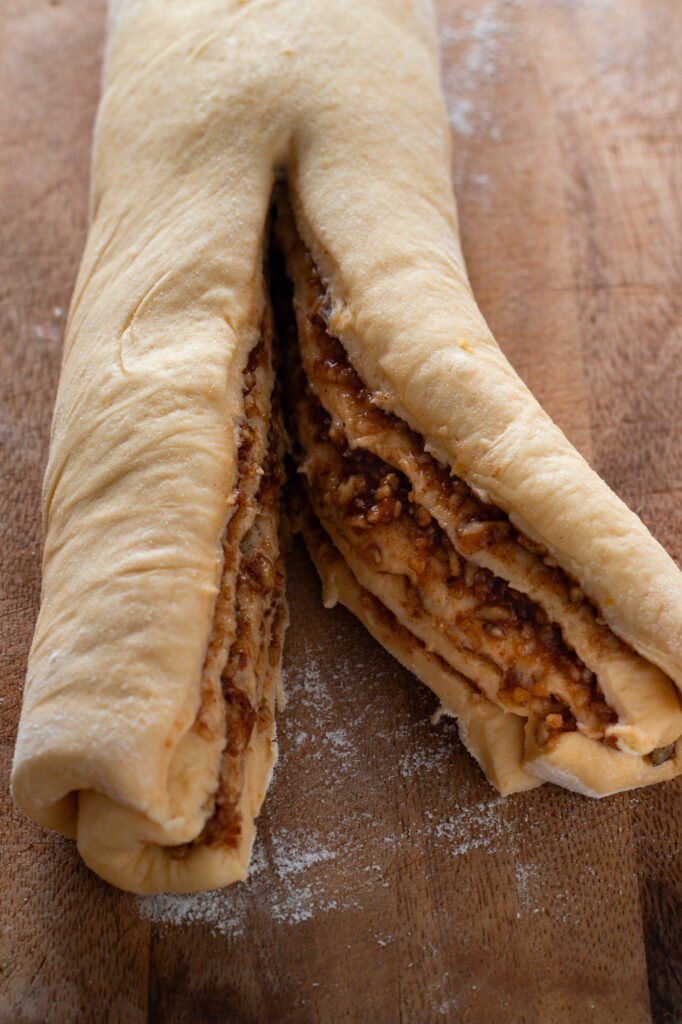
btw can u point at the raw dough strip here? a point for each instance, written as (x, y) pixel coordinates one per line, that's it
(240, 684)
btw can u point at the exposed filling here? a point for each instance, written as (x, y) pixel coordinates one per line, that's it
(250, 614)
(450, 567)
(384, 622)
(249, 678)
(468, 616)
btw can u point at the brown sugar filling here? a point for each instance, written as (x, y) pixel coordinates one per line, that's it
(249, 700)
(250, 614)
(483, 627)
(376, 475)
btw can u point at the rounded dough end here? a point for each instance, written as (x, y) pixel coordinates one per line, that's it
(593, 769)
(132, 852)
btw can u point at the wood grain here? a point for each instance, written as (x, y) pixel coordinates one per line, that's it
(389, 882)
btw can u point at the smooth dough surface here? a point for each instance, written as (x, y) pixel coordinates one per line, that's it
(204, 102)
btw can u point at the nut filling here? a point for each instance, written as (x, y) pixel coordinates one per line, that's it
(471, 618)
(449, 567)
(250, 614)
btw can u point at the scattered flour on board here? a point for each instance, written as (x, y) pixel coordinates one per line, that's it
(483, 826)
(471, 58)
(524, 877)
(333, 861)
(476, 52)
(323, 848)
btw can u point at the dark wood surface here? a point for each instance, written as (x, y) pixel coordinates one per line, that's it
(389, 882)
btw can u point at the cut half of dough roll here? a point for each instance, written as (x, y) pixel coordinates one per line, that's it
(148, 726)
(474, 593)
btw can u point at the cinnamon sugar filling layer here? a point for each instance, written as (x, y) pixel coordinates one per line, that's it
(248, 682)
(462, 612)
(495, 603)
(250, 613)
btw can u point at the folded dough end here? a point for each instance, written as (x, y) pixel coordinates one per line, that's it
(495, 741)
(60, 814)
(130, 851)
(603, 770)
(168, 783)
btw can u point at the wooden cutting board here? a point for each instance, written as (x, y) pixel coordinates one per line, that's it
(389, 882)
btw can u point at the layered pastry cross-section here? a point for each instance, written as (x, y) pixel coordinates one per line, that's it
(454, 590)
(186, 821)
(444, 506)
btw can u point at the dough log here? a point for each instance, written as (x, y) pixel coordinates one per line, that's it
(457, 520)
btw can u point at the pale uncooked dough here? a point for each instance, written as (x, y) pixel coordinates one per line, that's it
(204, 102)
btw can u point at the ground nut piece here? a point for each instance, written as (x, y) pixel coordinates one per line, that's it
(454, 563)
(480, 533)
(422, 516)
(494, 613)
(661, 755)
(469, 574)
(336, 434)
(349, 488)
(418, 564)
(383, 511)
(263, 570)
(388, 486)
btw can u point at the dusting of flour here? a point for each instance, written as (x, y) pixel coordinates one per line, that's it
(472, 54)
(476, 43)
(371, 806)
(319, 849)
